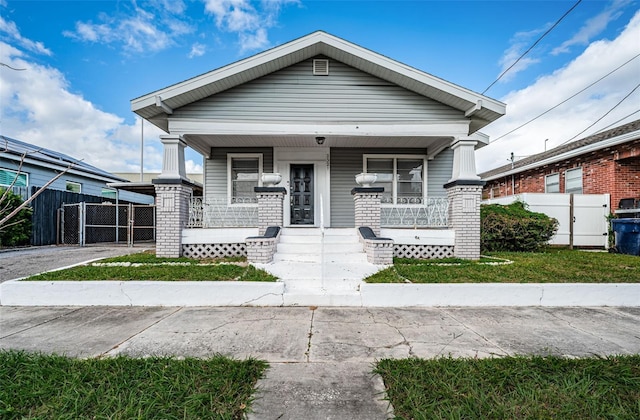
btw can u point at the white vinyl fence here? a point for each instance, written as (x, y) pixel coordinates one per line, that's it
(582, 217)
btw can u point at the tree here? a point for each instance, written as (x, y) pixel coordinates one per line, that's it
(10, 210)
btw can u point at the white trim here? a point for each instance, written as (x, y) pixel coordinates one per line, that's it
(230, 157)
(546, 185)
(394, 181)
(67, 183)
(284, 157)
(391, 129)
(566, 190)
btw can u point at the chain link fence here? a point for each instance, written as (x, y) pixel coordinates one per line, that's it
(91, 223)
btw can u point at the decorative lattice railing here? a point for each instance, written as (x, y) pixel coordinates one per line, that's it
(217, 212)
(427, 212)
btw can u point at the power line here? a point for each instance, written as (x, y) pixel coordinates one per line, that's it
(606, 113)
(566, 100)
(616, 122)
(531, 47)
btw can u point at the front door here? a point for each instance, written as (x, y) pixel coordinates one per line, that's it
(301, 189)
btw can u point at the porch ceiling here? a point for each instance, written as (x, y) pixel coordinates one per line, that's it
(204, 143)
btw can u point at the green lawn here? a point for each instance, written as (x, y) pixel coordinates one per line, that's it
(513, 388)
(146, 266)
(35, 386)
(552, 266)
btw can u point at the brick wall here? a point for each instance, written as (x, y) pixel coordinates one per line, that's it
(614, 171)
(464, 218)
(367, 209)
(172, 213)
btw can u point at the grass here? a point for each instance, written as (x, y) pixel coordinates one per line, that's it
(551, 266)
(513, 388)
(150, 268)
(36, 386)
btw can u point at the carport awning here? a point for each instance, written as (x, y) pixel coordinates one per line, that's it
(146, 188)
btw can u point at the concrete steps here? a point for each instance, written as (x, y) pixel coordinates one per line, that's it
(320, 269)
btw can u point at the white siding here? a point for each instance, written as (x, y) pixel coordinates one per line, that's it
(295, 94)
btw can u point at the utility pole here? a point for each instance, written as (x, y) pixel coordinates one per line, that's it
(141, 149)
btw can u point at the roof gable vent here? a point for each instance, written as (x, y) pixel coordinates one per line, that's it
(320, 67)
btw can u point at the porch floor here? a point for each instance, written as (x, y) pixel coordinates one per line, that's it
(320, 268)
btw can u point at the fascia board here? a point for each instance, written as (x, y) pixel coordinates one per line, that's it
(614, 141)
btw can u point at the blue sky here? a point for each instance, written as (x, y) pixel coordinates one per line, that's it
(85, 60)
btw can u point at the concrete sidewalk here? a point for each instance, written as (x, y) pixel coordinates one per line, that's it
(321, 358)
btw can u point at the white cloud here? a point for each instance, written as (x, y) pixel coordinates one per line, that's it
(139, 30)
(593, 27)
(12, 31)
(566, 121)
(247, 21)
(38, 108)
(197, 50)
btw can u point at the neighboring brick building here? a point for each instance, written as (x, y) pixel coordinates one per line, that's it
(605, 163)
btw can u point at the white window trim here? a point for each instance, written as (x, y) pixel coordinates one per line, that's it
(230, 157)
(546, 184)
(579, 168)
(16, 173)
(395, 158)
(74, 183)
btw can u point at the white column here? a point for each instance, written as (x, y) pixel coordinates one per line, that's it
(464, 160)
(173, 166)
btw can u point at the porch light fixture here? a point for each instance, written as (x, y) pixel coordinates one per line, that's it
(320, 140)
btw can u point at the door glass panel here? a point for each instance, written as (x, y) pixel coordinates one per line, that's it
(301, 189)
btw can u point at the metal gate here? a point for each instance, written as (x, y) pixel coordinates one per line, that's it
(91, 223)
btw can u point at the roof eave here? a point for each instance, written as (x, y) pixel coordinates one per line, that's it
(306, 47)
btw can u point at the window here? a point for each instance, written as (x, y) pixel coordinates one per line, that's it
(244, 176)
(573, 181)
(75, 187)
(402, 177)
(109, 193)
(7, 176)
(552, 183)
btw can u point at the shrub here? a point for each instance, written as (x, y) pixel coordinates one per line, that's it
(17, 230)
(514, 228)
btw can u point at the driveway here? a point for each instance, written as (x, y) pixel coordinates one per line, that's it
(29, 261)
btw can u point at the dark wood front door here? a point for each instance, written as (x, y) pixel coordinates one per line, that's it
(301, 194)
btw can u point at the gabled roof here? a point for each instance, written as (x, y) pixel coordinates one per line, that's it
(17, 148)
(621, 134)
(156, 106)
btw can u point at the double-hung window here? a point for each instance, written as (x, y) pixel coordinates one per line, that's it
(552, 183)
(573, 181)
(244, 175)
(403, 177)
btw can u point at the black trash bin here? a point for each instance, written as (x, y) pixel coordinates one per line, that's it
(627, 235)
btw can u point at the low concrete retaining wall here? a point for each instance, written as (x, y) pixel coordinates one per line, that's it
(233, 293)
(140, 293)
(503, 294)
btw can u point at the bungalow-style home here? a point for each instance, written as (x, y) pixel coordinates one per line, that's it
(604, 163)
(284, 134)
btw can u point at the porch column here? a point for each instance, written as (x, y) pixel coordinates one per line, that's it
(464, 191)
(172, 214)
(270, 207)
(367, 207)
(173, 166)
